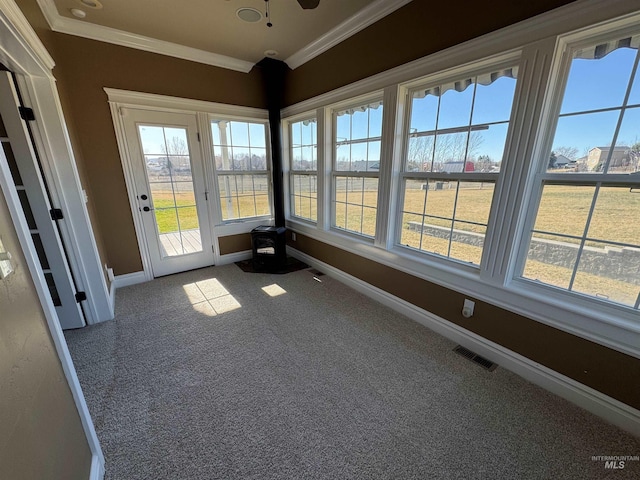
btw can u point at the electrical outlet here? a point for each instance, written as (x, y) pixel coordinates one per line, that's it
(467, 308)
(293, 236)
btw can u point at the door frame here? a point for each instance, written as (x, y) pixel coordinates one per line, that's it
(120, 100)
(23, 52)
(70, 313)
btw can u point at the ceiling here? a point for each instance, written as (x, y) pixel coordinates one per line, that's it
(210, 30)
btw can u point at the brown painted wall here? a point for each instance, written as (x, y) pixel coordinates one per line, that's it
(83, 68)
(41, 434)
(234, 243)
(418, 29)
(601, 368)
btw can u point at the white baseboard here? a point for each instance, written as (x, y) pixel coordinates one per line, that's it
(234, 257)
(129, 279)
(112, 296)
(610, 409)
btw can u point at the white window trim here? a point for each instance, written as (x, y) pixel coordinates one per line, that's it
(288, 170)
(609, 325)
(216, 213)
(609, 312)
(377, 96)
(506, 60)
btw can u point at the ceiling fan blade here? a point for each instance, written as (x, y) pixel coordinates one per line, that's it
(309, 4)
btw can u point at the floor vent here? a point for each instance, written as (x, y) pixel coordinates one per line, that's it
(483, 362)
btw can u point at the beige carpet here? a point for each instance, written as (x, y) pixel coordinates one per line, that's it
(222, 374)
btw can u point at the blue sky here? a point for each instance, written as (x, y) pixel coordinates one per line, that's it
(153, 138)
(599, 84)
(492, 105)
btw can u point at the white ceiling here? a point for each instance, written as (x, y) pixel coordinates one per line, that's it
(209, 31)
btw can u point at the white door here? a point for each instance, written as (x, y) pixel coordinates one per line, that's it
(170, 189)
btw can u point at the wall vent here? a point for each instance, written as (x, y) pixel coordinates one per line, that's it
(483, 362)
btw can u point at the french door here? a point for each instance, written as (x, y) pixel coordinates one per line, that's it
(170, 189)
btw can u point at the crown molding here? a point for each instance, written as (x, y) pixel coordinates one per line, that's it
(365, 17)
(14, 19)
(79, 28)
(361, 20)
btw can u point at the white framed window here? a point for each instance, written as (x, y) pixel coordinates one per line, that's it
(583, 227)
(241, 167)
(357, 139)
(303, 169)
(455, 137)
(490, 135)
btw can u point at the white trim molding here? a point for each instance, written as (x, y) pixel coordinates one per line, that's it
(127, 279)
(152, 101)
(608, 408)
(32, 50)
(70, 26)
(54, 147)
(361, 20)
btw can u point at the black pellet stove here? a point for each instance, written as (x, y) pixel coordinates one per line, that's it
(269, 245)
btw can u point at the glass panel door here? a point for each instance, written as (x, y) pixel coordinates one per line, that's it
(171, 190)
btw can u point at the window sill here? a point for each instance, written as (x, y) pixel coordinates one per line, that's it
(233, 227)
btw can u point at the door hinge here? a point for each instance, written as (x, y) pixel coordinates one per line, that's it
(27, 114)
(56, 214)
(81, 297)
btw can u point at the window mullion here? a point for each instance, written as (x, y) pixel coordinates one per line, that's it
(509, 212)
(324, 166)
(389, 156)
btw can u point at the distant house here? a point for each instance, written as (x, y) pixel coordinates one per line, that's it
(597, 157)
(456, 167)
(562, 161)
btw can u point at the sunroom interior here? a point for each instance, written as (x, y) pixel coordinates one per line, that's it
(494, 164)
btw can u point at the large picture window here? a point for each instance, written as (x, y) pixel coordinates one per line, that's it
(242, 168)
(585, 235)
(453, 154)
(303, 174)
(356, 167)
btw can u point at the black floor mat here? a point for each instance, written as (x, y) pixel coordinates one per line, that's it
(293, 265)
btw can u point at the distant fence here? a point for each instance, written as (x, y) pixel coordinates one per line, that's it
(618, 263)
